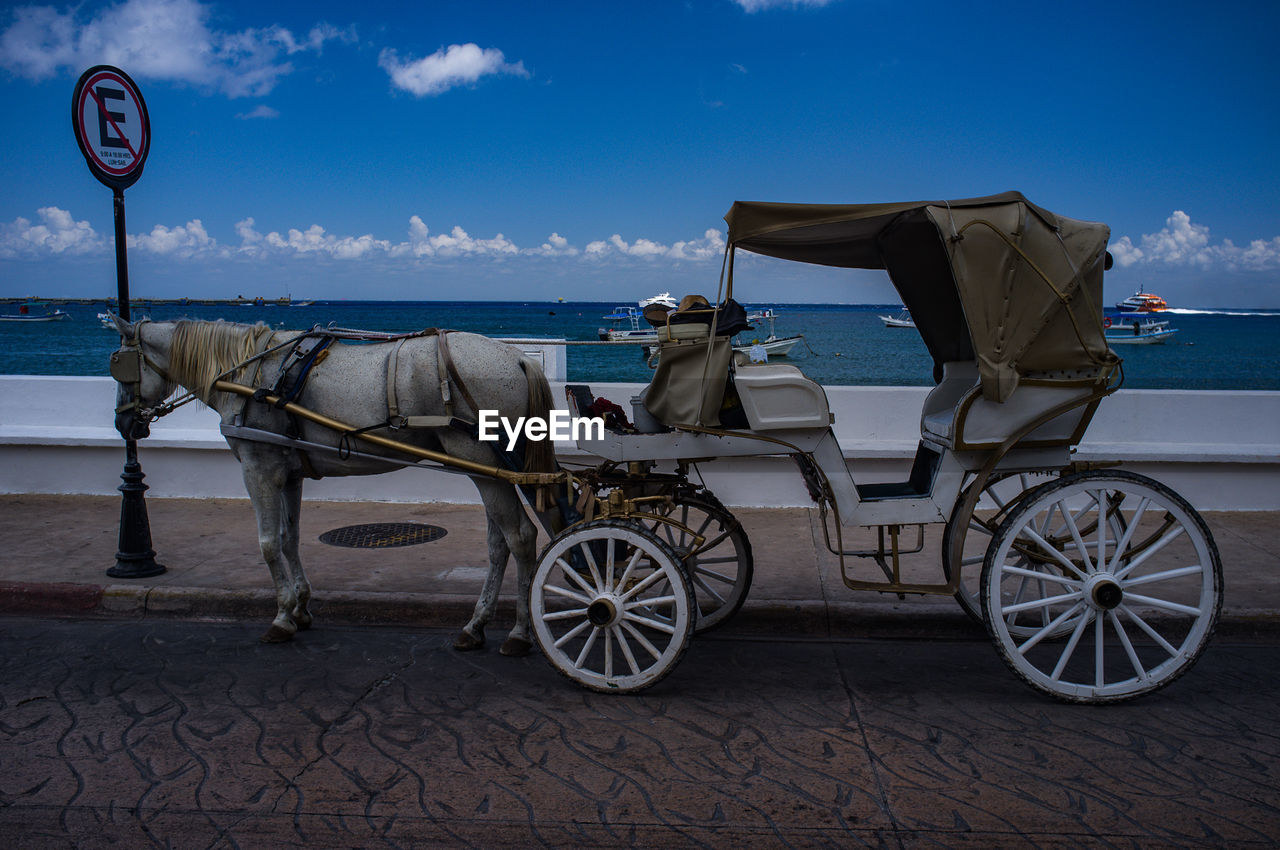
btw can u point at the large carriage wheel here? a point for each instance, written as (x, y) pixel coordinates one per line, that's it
(611, 606)
(971, 538)
(1121, 559)
(721, 568)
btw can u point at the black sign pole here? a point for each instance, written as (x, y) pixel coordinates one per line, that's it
(113, 131)
(134, 556)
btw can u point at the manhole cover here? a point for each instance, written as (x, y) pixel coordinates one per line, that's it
(382, 535)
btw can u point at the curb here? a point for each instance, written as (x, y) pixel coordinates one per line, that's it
(772, 619)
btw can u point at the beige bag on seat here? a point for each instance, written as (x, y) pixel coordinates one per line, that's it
(687, 387)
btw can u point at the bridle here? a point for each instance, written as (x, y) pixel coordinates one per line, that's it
(128, 365)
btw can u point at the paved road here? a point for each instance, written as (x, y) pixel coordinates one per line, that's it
(161, 733)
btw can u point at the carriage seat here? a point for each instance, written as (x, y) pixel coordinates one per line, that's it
(956, 415)
(778, 396)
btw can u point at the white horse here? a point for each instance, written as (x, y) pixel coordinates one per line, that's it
(349, 385)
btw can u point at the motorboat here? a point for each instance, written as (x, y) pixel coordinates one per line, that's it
(1142, 302)
(1136, 329)
(902, 320)
(664, 299)
(24, 314)
(774, 345)
(627, 326)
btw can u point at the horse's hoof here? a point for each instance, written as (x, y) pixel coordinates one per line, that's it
(465, 642)
(276, 634)
(515, 647)
(303, 621)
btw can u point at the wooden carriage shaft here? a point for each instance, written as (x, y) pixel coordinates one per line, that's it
(470, 467)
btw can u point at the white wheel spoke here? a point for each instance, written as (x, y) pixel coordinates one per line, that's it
(1043, 576)
(1128, 646)
(1151, 550)
(567, 593)
(591, 561)
(1123, 545)
(708, 589)
(1078, 541)
(1039, 603)
(1149, 630)
(641, 639)
(626, 649)
(1045, 632)
(643, 585)
(567, 614)
(1166, 575)
(1099, 653)
(1069, 649)
(1053, 552)
(656, 625)
(1163, 603)
(631, 565)
(573, 576)
(586, 647)
(608, 652)
(572, 633)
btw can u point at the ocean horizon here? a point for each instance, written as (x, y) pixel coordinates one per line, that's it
(843, 344)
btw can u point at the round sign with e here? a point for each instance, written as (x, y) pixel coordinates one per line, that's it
(111, 124)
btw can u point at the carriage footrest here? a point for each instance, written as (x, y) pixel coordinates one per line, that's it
(920, 484)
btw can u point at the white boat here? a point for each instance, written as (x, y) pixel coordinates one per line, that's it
(665, 299)
(1142, 302)
(628, 326)
(1136, 329)
(902, 320)
(24, 315)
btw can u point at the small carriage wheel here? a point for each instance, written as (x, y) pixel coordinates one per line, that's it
(721, 568)
(1124, 560)
(611, 606)
(1003, 490)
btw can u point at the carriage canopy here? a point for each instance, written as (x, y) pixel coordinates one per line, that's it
(996, 279)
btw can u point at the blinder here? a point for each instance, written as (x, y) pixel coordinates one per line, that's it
(126, 365)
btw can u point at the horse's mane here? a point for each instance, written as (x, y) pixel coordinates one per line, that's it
(201, 351)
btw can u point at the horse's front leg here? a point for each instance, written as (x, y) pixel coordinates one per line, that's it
(472, 634)
(265, 483)
(290, 516)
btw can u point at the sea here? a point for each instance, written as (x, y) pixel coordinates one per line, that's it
(842, 344)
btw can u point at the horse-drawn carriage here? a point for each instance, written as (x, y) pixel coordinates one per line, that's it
(1096, 584)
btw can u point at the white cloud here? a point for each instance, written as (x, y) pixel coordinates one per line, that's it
(181, 241)
(159, 40)
(753, 6)
(314, 240)
(57, 234)
(455, 65)
(710, 245)
(1181, 242)
(259, 111)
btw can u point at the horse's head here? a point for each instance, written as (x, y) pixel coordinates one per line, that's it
(142, 384)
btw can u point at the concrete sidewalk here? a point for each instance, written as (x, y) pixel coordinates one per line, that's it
(61, 546)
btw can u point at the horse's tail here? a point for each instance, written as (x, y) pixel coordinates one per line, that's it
(539, 455)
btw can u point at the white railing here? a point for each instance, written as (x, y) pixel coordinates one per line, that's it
(1221, 450)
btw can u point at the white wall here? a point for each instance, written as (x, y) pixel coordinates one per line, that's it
(1220, 450)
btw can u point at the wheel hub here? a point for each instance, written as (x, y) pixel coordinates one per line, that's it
(1104, 591)
(603, 612)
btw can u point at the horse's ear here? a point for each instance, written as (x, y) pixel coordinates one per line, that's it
(123, 325)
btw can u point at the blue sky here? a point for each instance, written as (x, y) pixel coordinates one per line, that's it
(493, 150)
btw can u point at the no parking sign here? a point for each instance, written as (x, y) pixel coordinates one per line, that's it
(112, 126)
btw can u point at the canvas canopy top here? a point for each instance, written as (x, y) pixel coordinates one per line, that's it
(996, 279)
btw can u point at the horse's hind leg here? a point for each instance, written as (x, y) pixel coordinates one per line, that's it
(472, 634)
(520, 536)
(290, 516)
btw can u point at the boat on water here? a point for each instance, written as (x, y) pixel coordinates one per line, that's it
(24, 314)
(627, 326)
(1136, 329)
(630, 325)
(1142, 302)
(902, 320)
